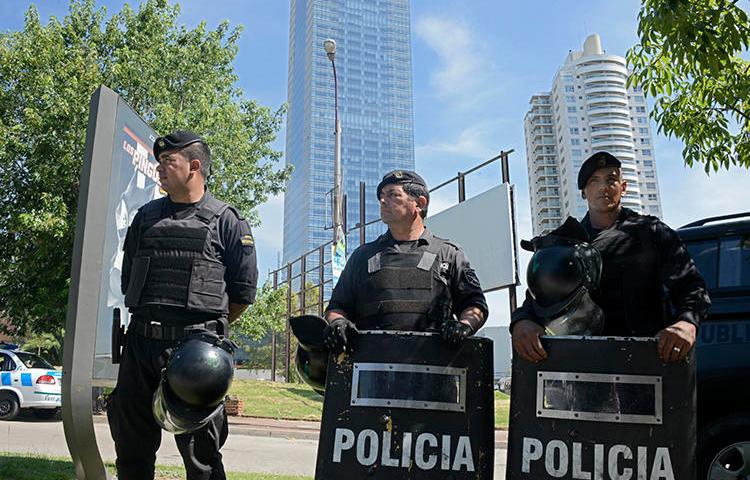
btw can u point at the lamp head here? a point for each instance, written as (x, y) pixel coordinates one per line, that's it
(330, 47)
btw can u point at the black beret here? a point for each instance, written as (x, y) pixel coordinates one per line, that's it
(593, 163)
(401, 177)
(178, 139)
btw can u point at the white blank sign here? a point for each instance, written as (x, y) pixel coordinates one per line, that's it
(483, 226)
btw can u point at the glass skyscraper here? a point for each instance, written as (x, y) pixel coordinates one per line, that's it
(373, 64)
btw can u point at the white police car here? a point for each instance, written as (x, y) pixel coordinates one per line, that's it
(28, 381)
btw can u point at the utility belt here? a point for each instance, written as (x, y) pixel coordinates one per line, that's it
(158, 330)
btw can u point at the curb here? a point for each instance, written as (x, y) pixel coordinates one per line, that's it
(239, 426)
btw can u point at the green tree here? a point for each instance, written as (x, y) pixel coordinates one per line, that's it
(268, 314)
(47, 345)
(174, 77)
(689, 60)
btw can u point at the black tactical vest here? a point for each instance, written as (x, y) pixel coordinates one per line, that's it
(175, 263)
(404, 291)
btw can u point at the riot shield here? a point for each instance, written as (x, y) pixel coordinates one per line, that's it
(406, 405)
(602, 409)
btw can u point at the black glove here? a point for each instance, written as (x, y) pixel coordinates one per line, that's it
(455, 332)
(335, 334)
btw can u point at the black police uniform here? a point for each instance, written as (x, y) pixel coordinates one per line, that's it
(183, 265)
(641, 256)
(411, 285)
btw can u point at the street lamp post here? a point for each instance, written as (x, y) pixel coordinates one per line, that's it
(330, 48)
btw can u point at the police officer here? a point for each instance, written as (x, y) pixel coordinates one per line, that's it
(189, 263)
(641, 256)
(407, 279)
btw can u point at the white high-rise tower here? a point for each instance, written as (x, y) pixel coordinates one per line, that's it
(588, 110)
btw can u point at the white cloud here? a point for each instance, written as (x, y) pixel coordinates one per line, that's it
(473, 141)
(466, 73)
(455, 45)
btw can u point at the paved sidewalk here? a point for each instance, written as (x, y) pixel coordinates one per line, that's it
(254, 444)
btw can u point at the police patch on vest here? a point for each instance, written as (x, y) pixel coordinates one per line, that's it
(247, 240)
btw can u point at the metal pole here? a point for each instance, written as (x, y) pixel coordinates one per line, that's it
(461, 187)
(321, 278)
(512, 294)
(336, 159)
(303, 285)
(273, 333)
(343, 214)
(362, 213)
(288, 352)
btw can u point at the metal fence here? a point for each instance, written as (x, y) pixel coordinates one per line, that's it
(307, 278)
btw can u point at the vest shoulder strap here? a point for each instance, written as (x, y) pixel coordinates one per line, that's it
(211, 209)
(154, 209)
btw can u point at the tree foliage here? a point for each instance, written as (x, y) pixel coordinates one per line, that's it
(173, 76)
(689, 60)
(268, 314)
(47, 345)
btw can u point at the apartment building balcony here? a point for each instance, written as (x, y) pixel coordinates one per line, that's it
(609, 130)
(608, 118)
(614, 89)
(604, 77)
(605, 69)
(612, 142)
(619, 152)
(607, 101)
(610, 108)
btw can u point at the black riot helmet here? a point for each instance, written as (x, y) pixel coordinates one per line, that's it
(311, 358)
(194, 382)
(563, 271)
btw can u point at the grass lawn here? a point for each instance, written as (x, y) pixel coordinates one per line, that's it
(502, 410)
(15, 466)
(297, 401)
(292, 401)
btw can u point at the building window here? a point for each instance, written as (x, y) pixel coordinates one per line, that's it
(642, 121)
(648, 163)
(570, 98)
(645, 141)
(652, 197)
(574, 131)
(650, 185)
(569, 88)
(571, 109)
(643, 131)
(649, 174)
(646, 152)
(576, 152)
(575, 141)
(640, 109)
(573, 120)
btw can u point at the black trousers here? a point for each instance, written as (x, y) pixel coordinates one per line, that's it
(136, 434)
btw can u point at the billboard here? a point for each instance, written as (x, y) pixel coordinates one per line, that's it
(483, 226)
(133, 182)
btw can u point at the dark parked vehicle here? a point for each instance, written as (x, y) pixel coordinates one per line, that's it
(720, 246)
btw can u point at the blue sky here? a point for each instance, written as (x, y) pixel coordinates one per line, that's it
(475, 65)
